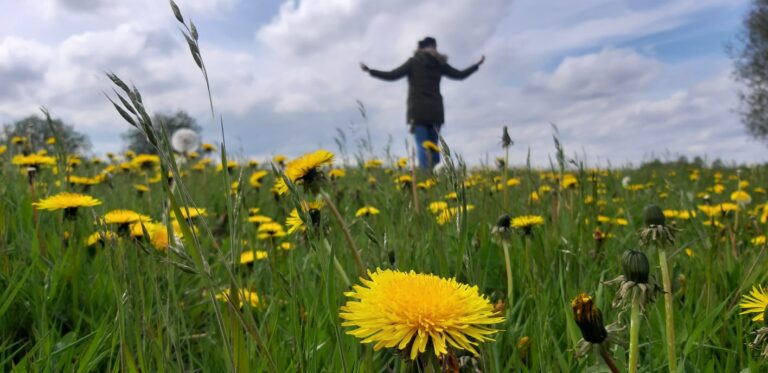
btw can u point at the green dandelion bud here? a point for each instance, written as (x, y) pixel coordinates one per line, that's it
(654, 216)
(636, 266)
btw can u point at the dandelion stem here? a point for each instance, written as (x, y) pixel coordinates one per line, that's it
(634, 332)
(504, 178)
(670, 319)
(508, 264)
(347, 236)
(606, 355)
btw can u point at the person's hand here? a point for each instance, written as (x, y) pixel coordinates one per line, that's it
(482, 59)
(364, 67)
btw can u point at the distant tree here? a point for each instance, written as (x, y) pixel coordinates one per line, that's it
(750, 58)
(136, 141)
(37, 131)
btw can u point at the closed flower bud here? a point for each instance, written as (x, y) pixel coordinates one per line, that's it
(654, 216)
(589, 319)
(504, 222)
(636, 266)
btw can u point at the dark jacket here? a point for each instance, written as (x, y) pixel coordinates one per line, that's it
(424, 71)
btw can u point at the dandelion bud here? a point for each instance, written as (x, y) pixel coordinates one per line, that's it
(506, 141)
(504, 222)
(654, 216)
(636, 266)
(589, 319)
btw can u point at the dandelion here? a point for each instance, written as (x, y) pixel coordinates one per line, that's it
(429, 145)
(366, 211)
(279, 159)
(336, 174)
(410, 311)
(125, 217)
(758, 241)
(188, 212)
(594, 333)
(741, 198)
(449, 214)
(140, 188)
(426, 184)
(527, 222)
(185, 141)
(101, 238)
(259, 219)
(69, 202)
(372, 164)
(250, 256)
(255, 179)
(270, 230)
(438, 206)
(304, 170)
(208, 148)
(17, 140)
(757, 303)
(33, 160)
(145, 161)
(243, 296)
(3, 149)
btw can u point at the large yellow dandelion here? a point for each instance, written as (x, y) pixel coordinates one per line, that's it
(408, 310)
(66, 201)
(756, 302)
(305, 169)
(125, 217)
(526, 222)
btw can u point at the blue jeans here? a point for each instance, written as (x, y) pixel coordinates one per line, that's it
(428, 159)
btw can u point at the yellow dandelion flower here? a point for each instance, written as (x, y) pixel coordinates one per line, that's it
(305, 169)
(141, 188)
(741, 197)
(243, 296)
(18, 140)
(286, 246)
(336, 173)
(208, 147)
(366, 211)
(526, 222)
(294, 222)
(3, 149)
(255, 179)
(259, 219)
(137, 229)
(373, 163)
(65, 200)
(270, 230)
(100, 237)
(758, 241)
(279, 159)
(188, 212)
(426, 184)
(429, 145)
(438, 206)
(125, 217)
(32, 160)
(412, 310)
(145, 161)
(755, 302)
(250, 256)
(449, 214)
(513, 182)
(402, 162)
(569, 181)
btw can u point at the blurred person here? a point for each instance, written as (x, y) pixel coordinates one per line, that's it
(425, 112)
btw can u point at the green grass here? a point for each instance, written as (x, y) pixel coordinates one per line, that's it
(129, 307)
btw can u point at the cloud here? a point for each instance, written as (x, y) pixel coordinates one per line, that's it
(598, 75)
(296, 80)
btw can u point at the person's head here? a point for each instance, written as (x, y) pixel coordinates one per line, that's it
(427, 42)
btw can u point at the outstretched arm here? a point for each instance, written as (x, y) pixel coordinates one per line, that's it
(453, 73)
(395, 74)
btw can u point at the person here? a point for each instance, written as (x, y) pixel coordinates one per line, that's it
(425, 112)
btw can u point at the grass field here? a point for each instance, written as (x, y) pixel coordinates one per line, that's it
(123, 304)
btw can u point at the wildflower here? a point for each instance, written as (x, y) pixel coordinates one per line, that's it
(32, 160)
(270, 230)
(255, 179)
(231, 165)
(402, 162)
(286, 246)
(336, 174)
(185, 140)
(373, 163)
(140, 188)
(243, 296)
(259, 219)
(741, 197)
(294, 222)
(3, 149)
(452, 196)
(188, 212)
(655, 226)
(69, 202)
(590, 321)
(429, 145)
(101, 238)
(252, 163)
(124, 217)
(513, 182)
(527, 222)
(279, 159)
(758, 241)
(450, 213)
(145, 161)
(426, 184)
(137, 229)
(636, 275)
(438, 206)
(304, 170)
(208, 148)
(249, 256)
(404, 181)
(366, 211)
(410, 310)
(569, 182)
(757, 302)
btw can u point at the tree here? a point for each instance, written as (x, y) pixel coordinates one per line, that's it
(37, 131)
(750, 57)
(136, 141)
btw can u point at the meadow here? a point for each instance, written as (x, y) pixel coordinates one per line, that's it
(195, 260)
(143, 297)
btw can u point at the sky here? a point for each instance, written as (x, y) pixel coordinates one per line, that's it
(624, 81)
